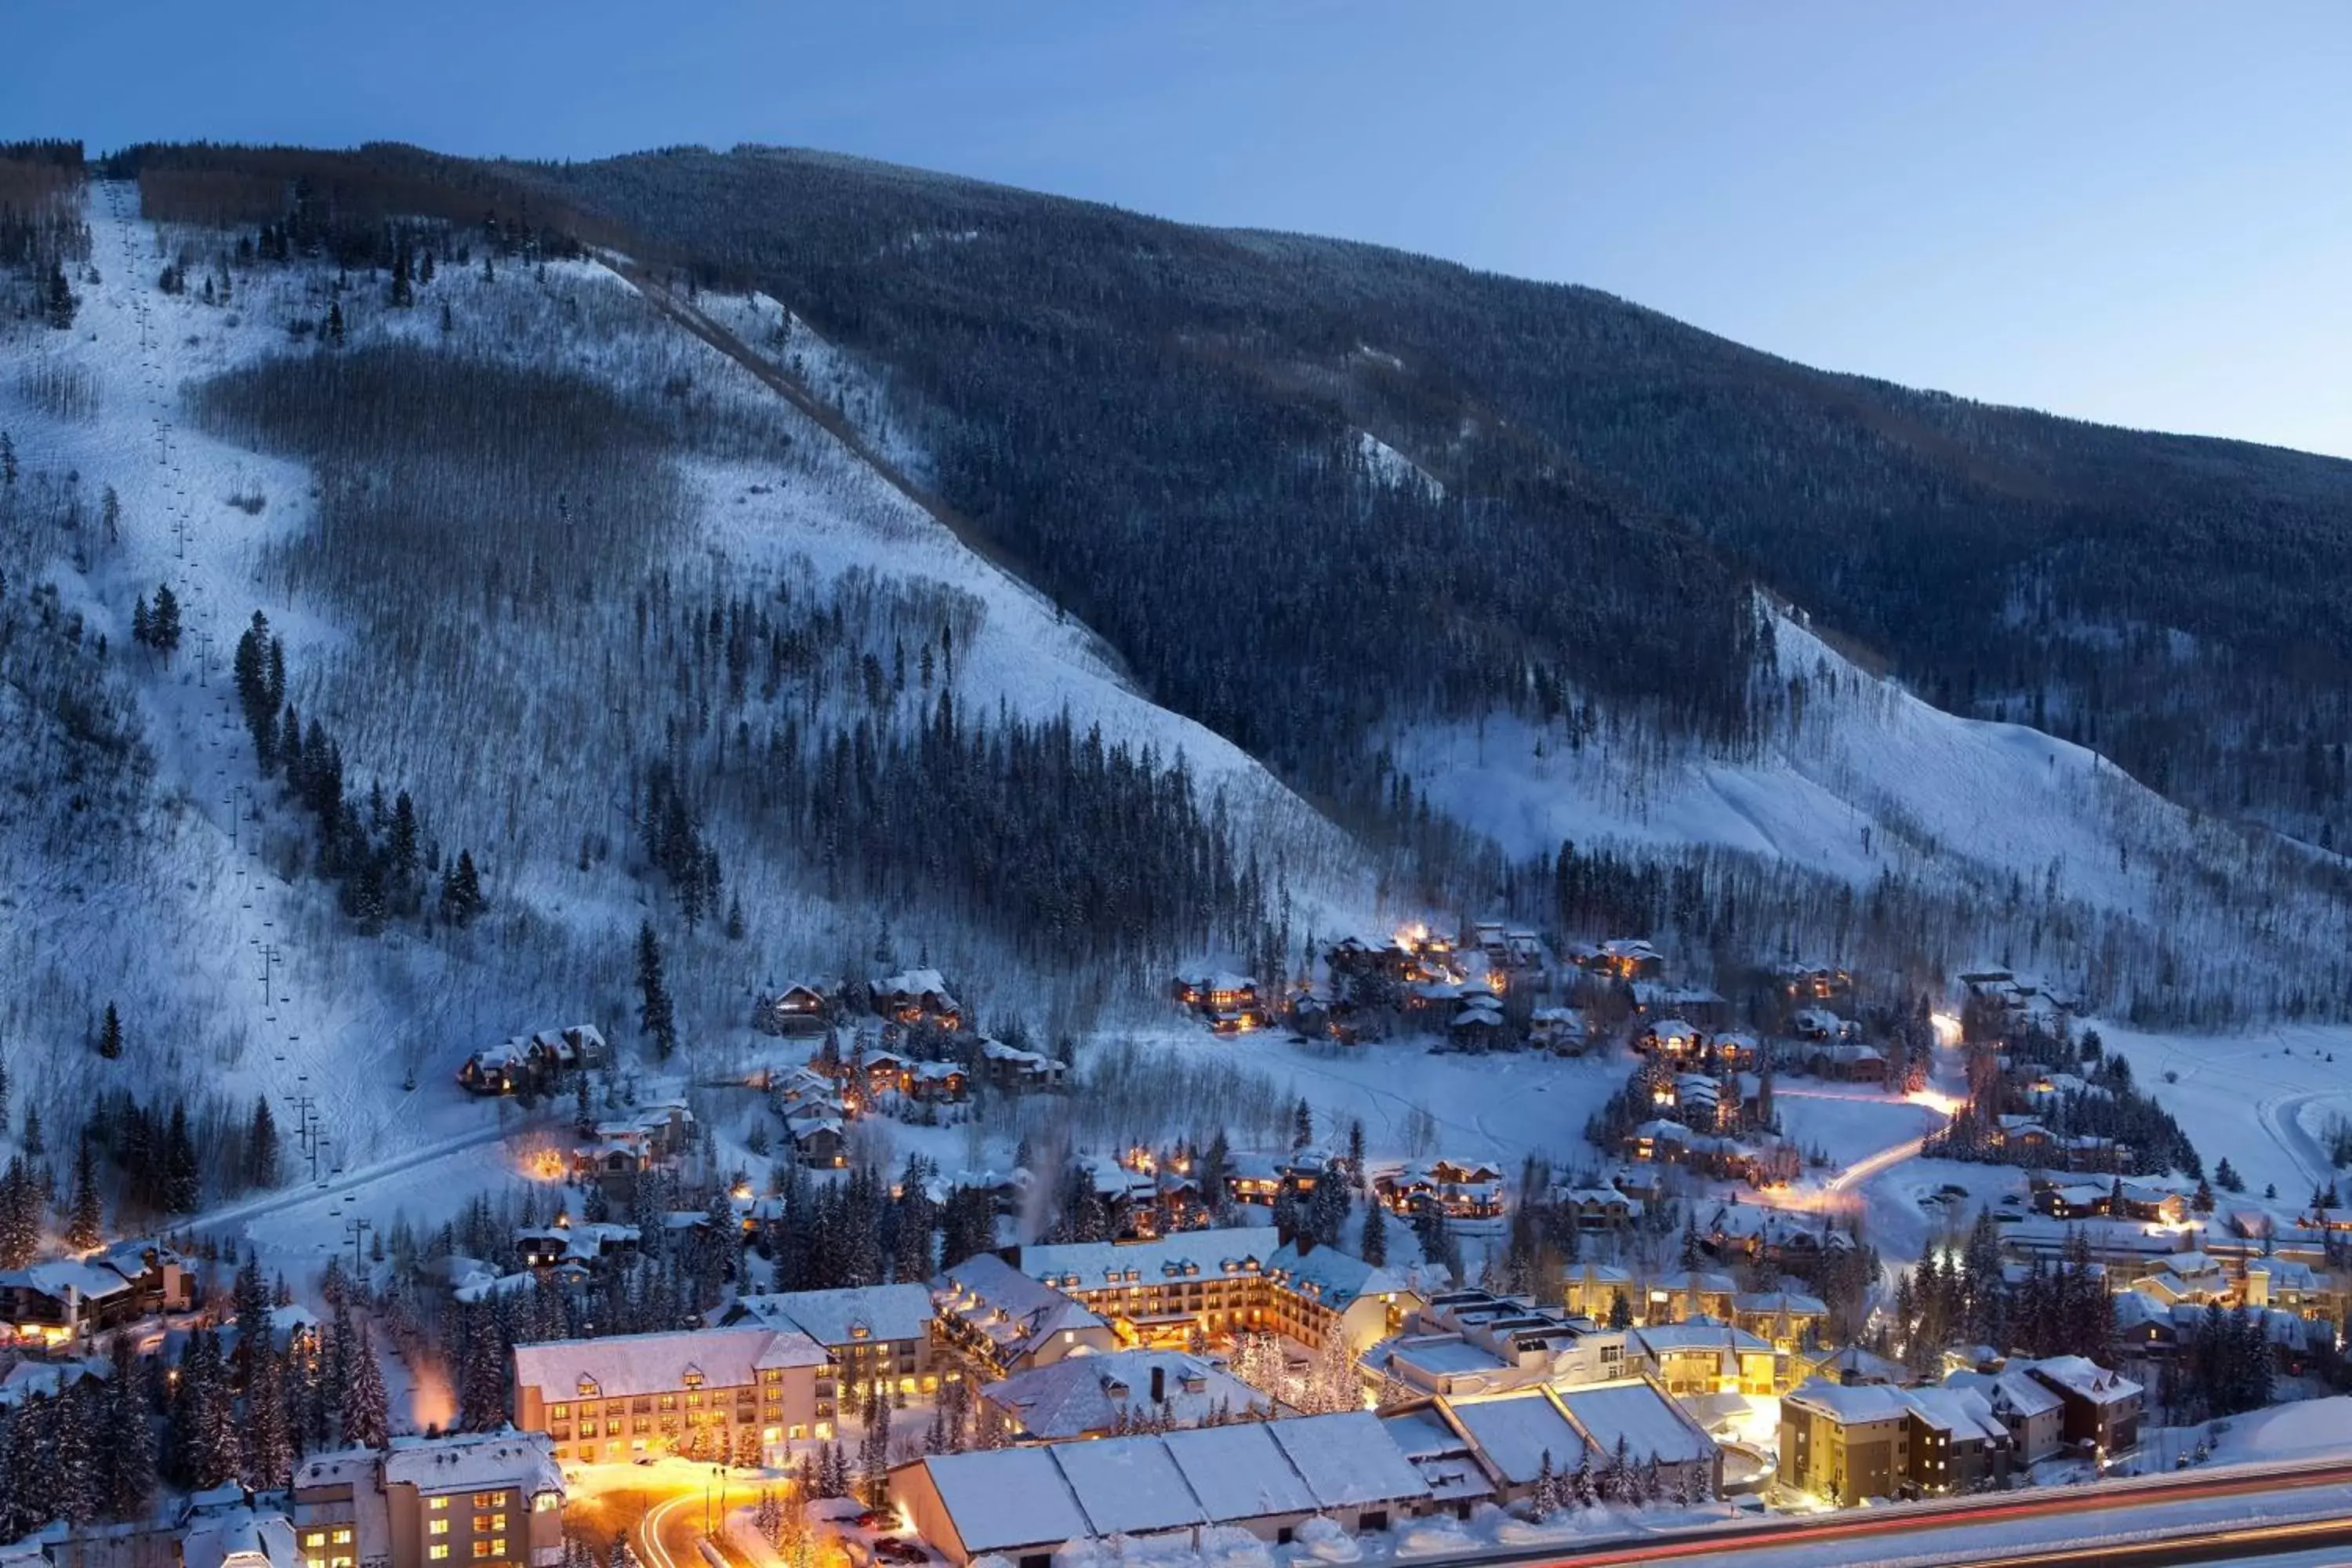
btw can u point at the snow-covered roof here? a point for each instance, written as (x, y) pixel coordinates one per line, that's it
(466, 1461)
(1013, 1310)
(1239, 1472)
(1090, 1265)
(1346, 1459)
(1514, 1431)
(1849, 1402)
(1005, 1498)
(1964, 1413)
(1676, 1338)
(624, 1365)
(2085, 1378)
(1083, 1394)
(1791, 1303)
(843, 1317)
(1332, 1277)
(1639, 1412)
(239, 1538)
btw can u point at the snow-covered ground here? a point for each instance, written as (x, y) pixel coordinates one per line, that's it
(2261, 1099)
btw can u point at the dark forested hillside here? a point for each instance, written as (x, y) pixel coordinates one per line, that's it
(1156, 420)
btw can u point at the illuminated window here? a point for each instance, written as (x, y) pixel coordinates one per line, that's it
(437, 1527)
(498, 1547)
(490, 1499)
(481, 1548)
(342, 1538)
(559, 1412)
(436, 1504)
(546, 1502)
(316, 1538)
(495, 1521)
(439, 1554)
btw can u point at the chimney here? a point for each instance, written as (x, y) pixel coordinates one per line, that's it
(1159, 1383)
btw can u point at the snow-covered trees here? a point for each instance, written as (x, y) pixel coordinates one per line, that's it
(655, 1016)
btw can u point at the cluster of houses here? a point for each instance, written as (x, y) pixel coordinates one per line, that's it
(490, 1498)
(1858, 1434)
(818, 1098)
(1228, 1003)
(531, 1064)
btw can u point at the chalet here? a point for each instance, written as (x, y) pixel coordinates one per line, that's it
(737, 1391)
(917, 996)
(1787, 1318)
(531, 1062)
(65, 1298)
(1673, 1038)
(1735, 1049)
(1594, 1290)
(1692, 1004)
(622, 1148)
(1818, 1024)
(1478, 1025)
(1457, 1189)
(1624, 959)
(1810, 983)
(1848, 1061)
(1560, 1030)
(1689, 1293)
(819, 1142)
(1658, 1140)
(2024, 1135)
(937, 1083)
(2101, 1408)
(1012, 1070)
(1597, 1208)
(799, 1009)
(1703, 1357)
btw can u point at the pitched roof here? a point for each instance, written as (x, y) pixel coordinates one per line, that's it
(623, 1365)
(841, 1317)
(1083, 1394)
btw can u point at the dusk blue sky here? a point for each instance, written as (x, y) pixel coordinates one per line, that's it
(2138, 212)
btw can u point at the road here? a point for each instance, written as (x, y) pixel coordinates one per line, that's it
(2225, 1515)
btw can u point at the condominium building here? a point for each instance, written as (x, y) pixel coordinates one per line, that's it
(490, 1499)
(738, 1393)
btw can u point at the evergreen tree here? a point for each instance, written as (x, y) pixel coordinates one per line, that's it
(1374, 1244)
(654, 1012)
(20, 1215)
(261, 1150)
(269, 1429)
(110, 1034)
(335, 322)
(366, 1415)
(163, 624)
(86, 1228)
(183, 1182)
(59, 304)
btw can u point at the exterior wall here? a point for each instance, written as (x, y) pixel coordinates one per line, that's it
(785, 1404)
(1843, 1462)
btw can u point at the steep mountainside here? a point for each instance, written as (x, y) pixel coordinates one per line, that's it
(2170, 601)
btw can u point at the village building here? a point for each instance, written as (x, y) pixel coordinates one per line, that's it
(1789, 1319)
(1227, 1281)
(2101, 1408)
(1689, 1293)
(713, 1392)
(1596, 1208)
(997, 1320)
(2028, 1409)
(1466, 1342)
(1848, 1443)
(1116, 1393)
(1012, 1070)
(1852, 1366)
(1594, 1289)
(799, 1009)
(1623, 958)
(1560, 1030)
(1458, 1189)
(70, 1298)
(873, 1336)
(623, 1147)
(1510, 1436)
(917, 996)
(1267, 1478)
(493, 1498)
(532, 1063)
(1705, 1357)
